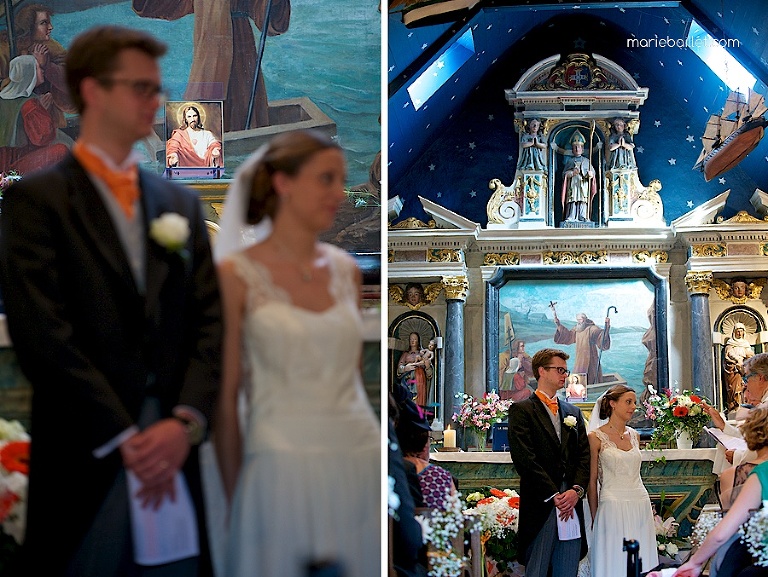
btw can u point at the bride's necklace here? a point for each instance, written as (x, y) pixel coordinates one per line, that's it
(621, 435)
(305, 269)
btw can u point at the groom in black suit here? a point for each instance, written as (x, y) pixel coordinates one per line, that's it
(114, 314)
(550, 451)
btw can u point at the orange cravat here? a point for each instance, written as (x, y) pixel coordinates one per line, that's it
(551, 403)
(122, 183)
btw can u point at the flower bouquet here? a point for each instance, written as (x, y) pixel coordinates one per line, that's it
(443, 533)
(14, 469)
(477, 415)
(755, 535)
(667, 542)
(498, 512)
(675, 416)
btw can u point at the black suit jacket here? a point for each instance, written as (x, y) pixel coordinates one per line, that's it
(93, 346)
(544, 463)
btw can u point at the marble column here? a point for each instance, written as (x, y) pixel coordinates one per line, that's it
(453, 384)
(703, 370)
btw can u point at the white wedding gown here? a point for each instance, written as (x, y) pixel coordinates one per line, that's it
(624, 510)
(309, 488)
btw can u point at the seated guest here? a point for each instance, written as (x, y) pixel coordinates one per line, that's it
(756, 391)
(413, 433)
(753, 492)
(411, 476)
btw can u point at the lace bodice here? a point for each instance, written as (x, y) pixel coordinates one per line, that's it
(301, 367)
(619, 470)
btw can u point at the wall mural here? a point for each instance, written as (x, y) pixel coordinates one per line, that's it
(607, 326)
(267, 84)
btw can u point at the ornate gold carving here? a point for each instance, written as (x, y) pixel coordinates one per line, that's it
(427, 295)
(496, 259)
(649, 257)
(752, 290)
(390, 255)
(218, 208)
(743, 217)
(764, 248)
(605, 126)
(577, 72)
(550, 123)
(571, 257)
(698, 281)
(633, 126)
(412, 222)
(456, 287)
(444, 255)
(709, 250)
(501, 195)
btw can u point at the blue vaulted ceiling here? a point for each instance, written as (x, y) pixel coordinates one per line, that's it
(463, 136)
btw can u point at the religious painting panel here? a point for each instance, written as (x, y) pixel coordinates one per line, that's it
(415, 360)
(193, 141)
(267, 83)
(612, 323)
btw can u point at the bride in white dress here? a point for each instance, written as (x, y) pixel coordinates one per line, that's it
(618, 500)
(301, 470)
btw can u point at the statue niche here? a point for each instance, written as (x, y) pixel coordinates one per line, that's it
(561, 105)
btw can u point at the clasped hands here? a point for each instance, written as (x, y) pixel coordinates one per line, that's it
(565, 503)
(155, 455)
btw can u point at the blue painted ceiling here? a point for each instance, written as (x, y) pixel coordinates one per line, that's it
(449, 149)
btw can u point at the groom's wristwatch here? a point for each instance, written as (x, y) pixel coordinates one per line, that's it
(579, 491)
(194, 430)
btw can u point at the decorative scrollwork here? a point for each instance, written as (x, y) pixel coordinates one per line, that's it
(412, 222)
(577, 72)
(743, 217)
(698, 281)
(444, 255)
(650, 257)
(423, 295)
(506, 259)
(570, 257)
(709, 250)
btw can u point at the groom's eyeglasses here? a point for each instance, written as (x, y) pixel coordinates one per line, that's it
(560, 370)
(749, 376)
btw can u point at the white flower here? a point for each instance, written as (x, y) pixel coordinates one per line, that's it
(662, 547)
(672, 549)
(12, 431)
(569, 421)
(394, 498)
(170, 230)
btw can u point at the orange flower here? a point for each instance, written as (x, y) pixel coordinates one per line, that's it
(486, 501)
(696, 399)
(680, 411)
(514, 502)
(14, 456)
(497, 493)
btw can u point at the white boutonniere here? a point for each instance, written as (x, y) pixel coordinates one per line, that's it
(570, 421)
(171, 231)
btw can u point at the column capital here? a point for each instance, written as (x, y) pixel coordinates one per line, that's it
(456, 287)
(699, 281)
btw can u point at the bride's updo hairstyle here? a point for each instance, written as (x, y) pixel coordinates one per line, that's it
(286, 153)
(754, 429)
(612, 394)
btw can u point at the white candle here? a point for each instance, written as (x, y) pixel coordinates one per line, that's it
(449, 438)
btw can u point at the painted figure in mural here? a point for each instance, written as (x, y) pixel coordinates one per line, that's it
(532, 147)
(621, 149)
(224, 70)
(589, 339)
(32, 32)
(191, 144)
(737, 350)
(414, 372)
(579, 185)
(132, 339)
(549, 446)
(29, 139)
(515, 373)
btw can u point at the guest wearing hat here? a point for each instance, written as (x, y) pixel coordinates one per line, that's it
(413, 433)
